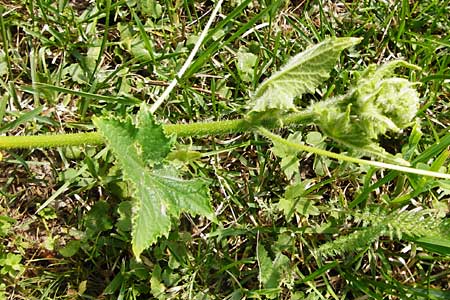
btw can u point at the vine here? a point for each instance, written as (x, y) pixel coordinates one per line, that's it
(378, 102)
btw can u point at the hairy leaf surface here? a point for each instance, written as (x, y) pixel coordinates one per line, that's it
(159, 193)
(302, 74)
(377, 103)
(155, 145)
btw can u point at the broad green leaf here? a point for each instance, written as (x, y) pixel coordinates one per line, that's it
(124, 210)
(154, 143)
(266, 271)
(302, 74)
(321, 163)
(98, 219)
(314, 138)
(150, 8)
(11, 264)
(163, 195)
(156, 285)
(159, 193)
(91, 57)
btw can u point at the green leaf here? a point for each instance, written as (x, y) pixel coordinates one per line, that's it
(161, 196)
(267, 276)
(314, 138)
(124, 210)
(271, 272)
(245, 64)
(289, 160)
(70, 249)
(98, 219)
(435, 244)
(11, 264)
(377, 103)
(184, 155)
(5, 225)
(115, 284)
(296, 200)
(133, 43)
(302, 74)
(153, 142)
(157, 287)
(91, 57)
(150, 8)
(159, 193)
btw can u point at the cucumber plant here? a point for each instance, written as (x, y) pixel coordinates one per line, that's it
(377, 102)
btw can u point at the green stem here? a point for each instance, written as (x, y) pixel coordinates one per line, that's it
(180, 130)
(49, 141)
(342, 157)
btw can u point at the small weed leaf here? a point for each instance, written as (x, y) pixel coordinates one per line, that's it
(271, 272)
(5, 225)
(296, 200)
(150, 8)
(124, 210)
(159, 193)
(245, 64)
(302, 74)
(70, 249)
(10, 264)
(98, 219)
(289, 160)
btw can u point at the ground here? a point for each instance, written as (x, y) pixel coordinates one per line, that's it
(79, 245)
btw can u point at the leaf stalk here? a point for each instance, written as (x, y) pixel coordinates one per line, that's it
(355, 160)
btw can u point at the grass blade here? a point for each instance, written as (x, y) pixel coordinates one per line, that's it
(109, 99)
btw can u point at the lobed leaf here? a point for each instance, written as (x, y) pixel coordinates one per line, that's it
(159, 194)
(302, 74)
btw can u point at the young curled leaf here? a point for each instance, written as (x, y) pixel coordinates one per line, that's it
(389, 102)
(378, 103)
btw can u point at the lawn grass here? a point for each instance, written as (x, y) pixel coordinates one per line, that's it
(65, 212)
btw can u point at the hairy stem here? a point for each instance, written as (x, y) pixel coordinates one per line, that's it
(49, 141)
(180, 130)
(342, 157)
